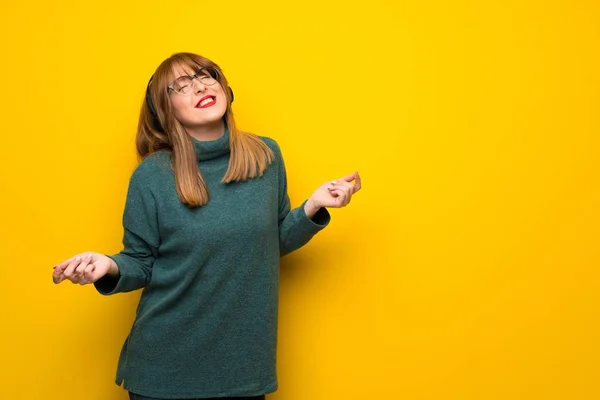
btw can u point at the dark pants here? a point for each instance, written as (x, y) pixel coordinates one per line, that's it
(133, 396)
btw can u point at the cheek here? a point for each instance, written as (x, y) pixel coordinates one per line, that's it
(223, 105)
(221, 96)
(181, 107)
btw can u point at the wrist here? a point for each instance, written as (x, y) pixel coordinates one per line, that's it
(310, 208)
(113, 270)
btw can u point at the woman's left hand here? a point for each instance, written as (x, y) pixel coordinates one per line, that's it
(335, 194)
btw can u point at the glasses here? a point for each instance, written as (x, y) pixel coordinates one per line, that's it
(185, 85)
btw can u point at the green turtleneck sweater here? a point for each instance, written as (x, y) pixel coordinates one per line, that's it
(206, 324)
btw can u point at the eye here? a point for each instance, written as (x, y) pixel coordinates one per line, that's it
(208, 76)
(208, 72)
(181, 83)
(212, 73)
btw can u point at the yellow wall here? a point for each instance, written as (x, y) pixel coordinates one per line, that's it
(467, 268)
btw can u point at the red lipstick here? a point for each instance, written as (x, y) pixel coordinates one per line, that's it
(209, 104)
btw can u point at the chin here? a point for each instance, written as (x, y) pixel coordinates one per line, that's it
(213, 118)
(208, 118)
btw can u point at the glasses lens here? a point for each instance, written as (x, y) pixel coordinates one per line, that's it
(183, 85)
(208, 76)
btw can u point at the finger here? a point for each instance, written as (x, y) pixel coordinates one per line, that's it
(335, 192)
(61, 278)
(346, 188)
(75, 280)
(96, 274)
(357, 183)
(344, 185)
(340, 196)
(60, 269)
(82, 266)
(57, 277)
(71, 267)
(349, 178)
(344, 198)
(89, 268)
(88, 273)
(63, 265)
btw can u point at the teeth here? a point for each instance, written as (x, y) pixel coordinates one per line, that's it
(206, 101)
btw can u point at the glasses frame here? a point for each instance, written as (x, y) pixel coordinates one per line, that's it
(192, 79)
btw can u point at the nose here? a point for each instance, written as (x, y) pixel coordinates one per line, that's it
(199, 86)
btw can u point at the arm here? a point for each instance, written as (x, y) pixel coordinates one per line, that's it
(297, 226)
(140, 241)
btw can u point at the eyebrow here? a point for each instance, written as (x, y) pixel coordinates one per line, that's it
(185, 75)
(197, 72)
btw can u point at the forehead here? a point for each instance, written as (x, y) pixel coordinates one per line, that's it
(181, 69)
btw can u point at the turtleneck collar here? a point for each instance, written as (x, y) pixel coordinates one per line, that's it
(211, 149)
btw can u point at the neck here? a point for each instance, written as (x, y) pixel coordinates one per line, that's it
(207, 132)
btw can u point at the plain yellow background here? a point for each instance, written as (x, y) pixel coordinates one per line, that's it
(467, 268)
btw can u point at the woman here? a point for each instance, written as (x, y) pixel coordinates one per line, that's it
(207, 218)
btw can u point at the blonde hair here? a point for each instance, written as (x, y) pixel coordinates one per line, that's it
(249, 155)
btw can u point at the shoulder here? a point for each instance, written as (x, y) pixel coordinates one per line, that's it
(152, 169)
(272, 144)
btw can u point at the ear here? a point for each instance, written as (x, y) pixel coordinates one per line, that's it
(230, 93)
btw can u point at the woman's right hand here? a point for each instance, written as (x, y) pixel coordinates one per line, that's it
(85, 268)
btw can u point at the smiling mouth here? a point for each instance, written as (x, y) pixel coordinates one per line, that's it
(206, 101)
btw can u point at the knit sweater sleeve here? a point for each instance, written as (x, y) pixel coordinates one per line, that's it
(140, 239)
(295, 227)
